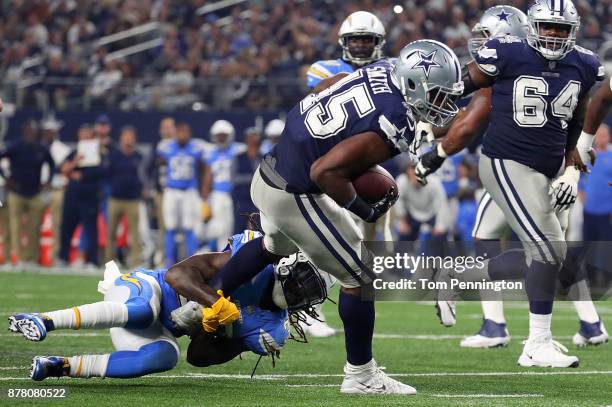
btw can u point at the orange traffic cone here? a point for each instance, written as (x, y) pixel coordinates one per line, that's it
(46, 240)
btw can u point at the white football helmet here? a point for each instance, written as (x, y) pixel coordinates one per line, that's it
(549, 12)
(361, 24)
(274, 128)
(222, 127)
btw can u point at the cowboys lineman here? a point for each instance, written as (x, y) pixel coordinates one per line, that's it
(491, 225)
(539, 92)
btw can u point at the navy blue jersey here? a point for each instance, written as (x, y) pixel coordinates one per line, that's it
(366, 100)
(533, 100)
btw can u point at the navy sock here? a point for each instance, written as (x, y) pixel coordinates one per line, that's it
(242, 266)
(358, 319)
(540, 284)
(510, 265)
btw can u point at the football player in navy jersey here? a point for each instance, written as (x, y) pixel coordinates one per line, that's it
(539, 90)
(491, 224)
(361, 36)
(304, 192)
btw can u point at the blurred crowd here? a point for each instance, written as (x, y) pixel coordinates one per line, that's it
(50, 56)
(84, 203)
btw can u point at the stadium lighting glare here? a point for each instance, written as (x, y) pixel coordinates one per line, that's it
(398, 9)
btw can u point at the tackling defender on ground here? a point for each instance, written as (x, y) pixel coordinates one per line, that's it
(146, 312)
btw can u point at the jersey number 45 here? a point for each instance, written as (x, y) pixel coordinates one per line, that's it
(325, 113)
(530, 106)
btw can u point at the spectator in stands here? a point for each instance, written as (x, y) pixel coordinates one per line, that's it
(26, 158)
(84, 170)
(249, 45)
(421, 209)
(598, 194)
(104, 84)
(126, 178)
(245, 165)
(59, 151)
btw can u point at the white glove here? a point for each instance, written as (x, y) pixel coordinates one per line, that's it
(188, 317)
(423, 132)
(564, 190)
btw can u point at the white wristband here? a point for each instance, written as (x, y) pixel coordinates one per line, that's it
(585, 142)
(441, 152)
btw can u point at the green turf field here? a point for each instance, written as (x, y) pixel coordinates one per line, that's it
(410, 343)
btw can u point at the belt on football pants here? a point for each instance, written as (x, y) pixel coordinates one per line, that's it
(269, 174)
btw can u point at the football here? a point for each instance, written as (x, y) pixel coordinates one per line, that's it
(374, 184)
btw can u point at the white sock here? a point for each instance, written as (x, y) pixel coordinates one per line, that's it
(494, 310)
(88, 365)
(539, 326)
(586, 311)
(359, 368)
(103, 314)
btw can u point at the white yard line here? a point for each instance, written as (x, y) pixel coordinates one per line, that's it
(492, 396)
(334, 375)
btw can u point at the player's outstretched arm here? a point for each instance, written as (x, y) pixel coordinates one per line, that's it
(465, 127)
(190, 277)
(474, 78)
(598, 108)
(461, 133)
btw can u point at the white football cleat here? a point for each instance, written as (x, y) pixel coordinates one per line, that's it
(491, 335)
(317, 328)
(447, 312)
(590, 334)
(545, 352)
(370, 379)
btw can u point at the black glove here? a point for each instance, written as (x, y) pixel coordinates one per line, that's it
(428, 163)
(371, 213)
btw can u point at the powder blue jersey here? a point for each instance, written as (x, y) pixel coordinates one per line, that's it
(326, 69)
(533, 100)
(182, 162)
(366, 100)
(598, 195)
(248, 295)
(220, 161)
